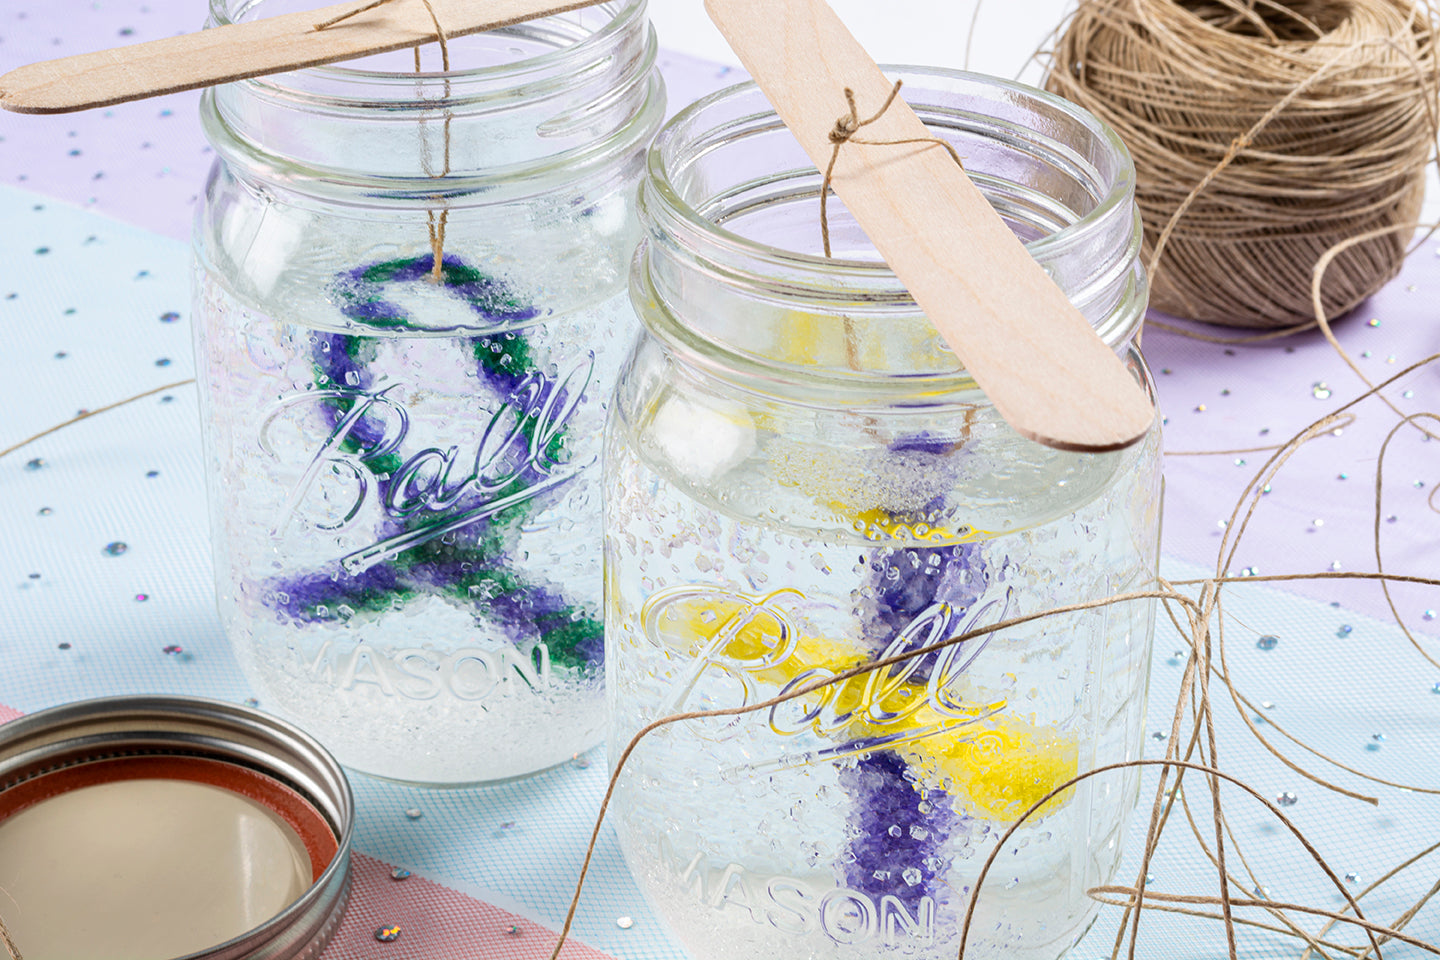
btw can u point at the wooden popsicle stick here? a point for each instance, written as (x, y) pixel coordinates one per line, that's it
(252, 49)
(1037, 358)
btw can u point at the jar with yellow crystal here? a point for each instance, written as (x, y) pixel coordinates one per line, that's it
(801, 479)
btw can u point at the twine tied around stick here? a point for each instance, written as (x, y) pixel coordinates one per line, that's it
(436, 223)
(844, 132)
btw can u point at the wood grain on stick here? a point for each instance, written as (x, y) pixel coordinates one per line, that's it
(251, 49)
(1037, 358)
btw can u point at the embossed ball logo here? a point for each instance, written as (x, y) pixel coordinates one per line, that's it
(430, 482)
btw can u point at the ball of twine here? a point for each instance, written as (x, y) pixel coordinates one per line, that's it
(1264, 133)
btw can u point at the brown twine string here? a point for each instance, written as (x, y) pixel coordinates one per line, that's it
(1194, 701)
(1264, 134)
(10, 947)
(1405, 917)
(1340, 423)
(1193, 690)
(90, 413)
(1195, 695)
(844, 132)
(435, 224)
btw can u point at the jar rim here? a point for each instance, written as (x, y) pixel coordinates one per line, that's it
(495, 77)
(866, 272)
(1057, 174)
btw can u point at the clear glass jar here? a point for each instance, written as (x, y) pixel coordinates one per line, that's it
(404, 476)
(800, 478)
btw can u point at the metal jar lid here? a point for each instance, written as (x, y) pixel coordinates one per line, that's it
(96, 731)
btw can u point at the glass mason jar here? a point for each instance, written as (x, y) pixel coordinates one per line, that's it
(403, 460)
(800, 478)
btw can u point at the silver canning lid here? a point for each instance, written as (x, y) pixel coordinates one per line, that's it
(124, 727)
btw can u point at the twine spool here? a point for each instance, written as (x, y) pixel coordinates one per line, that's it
(1275, 130)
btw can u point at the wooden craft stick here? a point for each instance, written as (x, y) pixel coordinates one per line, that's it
(1037, 358)
(253, 49)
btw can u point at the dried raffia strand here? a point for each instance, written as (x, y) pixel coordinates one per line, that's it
(435, 224)
(1264, 134)
(844, 132)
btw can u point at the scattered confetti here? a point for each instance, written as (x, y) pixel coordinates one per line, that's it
(1317, 523)
(169, 316)
(141, 597)
(580, 761)
(513, 930)
(388, 933)
(115, 549)
(1200, 408)
(1345, 630)
(252, 702)
(36, 464)
(1373, 321)
(414, 813)
(173, 650)
(624, 923)
(1320, 390)
(399, 873)
(45, 511)
(1286, 799)
(163, 362)
(66, 646)
(1429, 615)
(1352, 878)
(1160, 735)
(151, 474)
(1267, 642)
